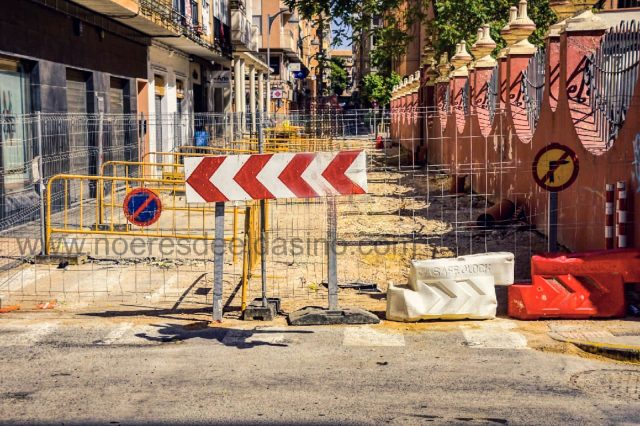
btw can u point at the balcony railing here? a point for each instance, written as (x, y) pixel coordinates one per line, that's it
(627, 4)
(237, 5)
(256, 39)
(287, 41)
(171, 19)
(240, 30)
(222, 34)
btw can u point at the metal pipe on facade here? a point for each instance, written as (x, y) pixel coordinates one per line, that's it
(499, 213)
(457, 184)
(621, 219)
(609, 213)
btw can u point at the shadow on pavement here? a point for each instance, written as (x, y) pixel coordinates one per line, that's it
(241, 339)
(144, 311)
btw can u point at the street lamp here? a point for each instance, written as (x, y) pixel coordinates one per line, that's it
(263, 211)
(270, 19)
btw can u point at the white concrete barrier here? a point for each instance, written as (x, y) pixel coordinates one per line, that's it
(455, 288)
(500, 265)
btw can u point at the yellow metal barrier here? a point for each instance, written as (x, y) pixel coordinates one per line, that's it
(251, 251)
(73, 210)
(293, 143)
(212, 150)
(169, 171)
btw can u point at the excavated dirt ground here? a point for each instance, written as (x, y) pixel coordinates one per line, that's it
(406, 215)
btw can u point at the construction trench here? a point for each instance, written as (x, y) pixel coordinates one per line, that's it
(407, 214)
(91, 255)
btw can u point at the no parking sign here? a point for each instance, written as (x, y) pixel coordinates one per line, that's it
(142, 207)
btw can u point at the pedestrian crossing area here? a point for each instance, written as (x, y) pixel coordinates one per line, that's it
(480, 335)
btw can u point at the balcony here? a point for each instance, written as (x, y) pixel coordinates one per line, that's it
(289, 45)
(158, 18)
(256, 38)
(240, 31)
(222, 34)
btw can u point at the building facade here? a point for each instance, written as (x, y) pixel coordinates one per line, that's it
(188, 62)
(485, 119)
(131, 77)
(66, 61)
(362, 64)
(291, 49)
(347, 58)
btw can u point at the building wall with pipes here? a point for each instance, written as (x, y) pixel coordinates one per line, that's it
(420, 36)
(588, 100)
(170, 78)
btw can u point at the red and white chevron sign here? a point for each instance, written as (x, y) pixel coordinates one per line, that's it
(269, 176)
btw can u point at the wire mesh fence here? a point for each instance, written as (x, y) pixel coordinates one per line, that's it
(411, 211)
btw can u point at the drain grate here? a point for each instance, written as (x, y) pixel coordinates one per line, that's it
(623, 384)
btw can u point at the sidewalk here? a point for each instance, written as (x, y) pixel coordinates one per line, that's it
(614, 339)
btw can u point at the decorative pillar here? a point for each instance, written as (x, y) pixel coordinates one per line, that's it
(243, 97)
(442, 95)
(483, 71)
(510, 38)
(252, 97)
(581, 37)
(268, 97)
(261, 93)
(237, 85)
(460, 77)
(567, 8)
(552, 73)
(519, 55)
(237, 99)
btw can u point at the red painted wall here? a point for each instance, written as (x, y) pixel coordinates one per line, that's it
(498, 155)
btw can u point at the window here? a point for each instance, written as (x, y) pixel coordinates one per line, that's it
(194, 13)
(116, 96)
(118, 146)
(256, 20)
(221, 11)
(179, 96)
(76, 91)
(625, 4)
(158, 85)
(77, 103)
(14, 103)
(206, 17)
(178, 6)
(274, 63)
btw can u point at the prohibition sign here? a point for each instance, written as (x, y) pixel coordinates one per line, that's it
(555, 167)
(142, 207)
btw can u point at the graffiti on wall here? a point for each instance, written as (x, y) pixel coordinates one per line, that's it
(636, 161)
(7, 118)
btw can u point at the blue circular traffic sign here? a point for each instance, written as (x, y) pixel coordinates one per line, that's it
(142, 207)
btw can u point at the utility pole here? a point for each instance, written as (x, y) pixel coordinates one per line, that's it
(321, 56)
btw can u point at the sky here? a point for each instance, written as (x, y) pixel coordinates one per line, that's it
(346, 44)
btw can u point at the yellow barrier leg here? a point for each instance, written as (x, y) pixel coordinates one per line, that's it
(245, 259)
(47, 239)
(235, 235)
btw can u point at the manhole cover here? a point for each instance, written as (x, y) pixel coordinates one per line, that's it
(623, 384)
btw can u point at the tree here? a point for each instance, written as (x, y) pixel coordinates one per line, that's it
(458, 20)
(339, 78)
(354, 19)
(377, 87)
(455, 20)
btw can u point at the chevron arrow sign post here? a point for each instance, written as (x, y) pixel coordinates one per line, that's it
(271, 176)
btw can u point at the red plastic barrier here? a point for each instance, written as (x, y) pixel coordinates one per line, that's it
(379, 142)
(580, 285)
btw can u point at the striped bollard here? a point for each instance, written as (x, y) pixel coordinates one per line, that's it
(609, 216)
(621, 231)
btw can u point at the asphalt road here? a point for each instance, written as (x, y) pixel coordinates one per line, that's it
(164, 371)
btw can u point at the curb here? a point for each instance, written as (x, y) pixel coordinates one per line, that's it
(619, 352)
